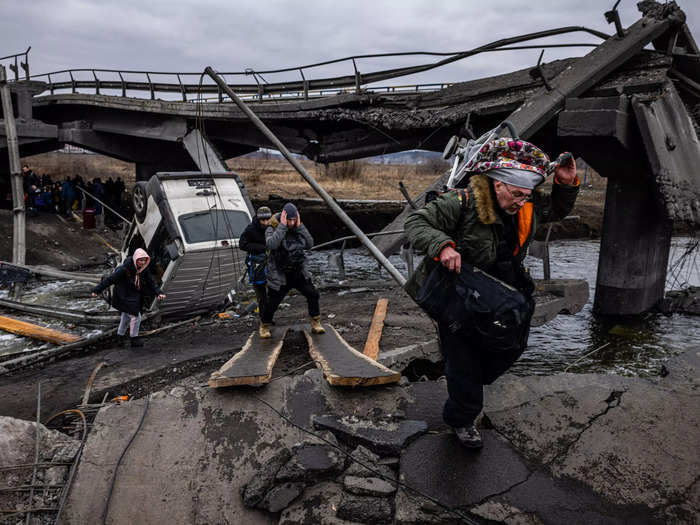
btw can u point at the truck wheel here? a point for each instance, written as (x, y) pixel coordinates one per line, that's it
(140, 200)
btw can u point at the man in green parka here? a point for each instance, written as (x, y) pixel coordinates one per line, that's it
(488, 224)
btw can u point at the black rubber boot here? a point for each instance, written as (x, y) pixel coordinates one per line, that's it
(136, 342)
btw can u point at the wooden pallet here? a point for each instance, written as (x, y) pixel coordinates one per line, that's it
(36, 332)
(342, 365)
(253, 364)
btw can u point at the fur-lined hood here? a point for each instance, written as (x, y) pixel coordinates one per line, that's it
(481, 191)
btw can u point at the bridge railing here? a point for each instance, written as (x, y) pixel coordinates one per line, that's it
(194, 87)
(187, 90)
(16, 63)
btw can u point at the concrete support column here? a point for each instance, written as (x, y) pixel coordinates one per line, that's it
(634, 249)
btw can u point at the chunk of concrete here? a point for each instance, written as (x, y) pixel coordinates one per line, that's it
(318, 506)
(17, 447)
(425, 403)
(400, 358)
(263, 480)
(193, 450)
(311, 463)
(368, 486)
(382, 437)
(377, 470)
(629, 440)
(368, 464)
(280, 496)
(366, 510)
(437, 465)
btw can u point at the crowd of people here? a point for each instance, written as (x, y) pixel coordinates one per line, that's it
(43, 194)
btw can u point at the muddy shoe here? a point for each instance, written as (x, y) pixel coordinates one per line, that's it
(264, 331)
(316, 327)
(469, 437)
(136, 342)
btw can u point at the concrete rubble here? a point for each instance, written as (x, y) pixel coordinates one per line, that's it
(576, 449)
(17, 448)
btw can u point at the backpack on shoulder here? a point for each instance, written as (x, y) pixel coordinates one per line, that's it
(257, 268)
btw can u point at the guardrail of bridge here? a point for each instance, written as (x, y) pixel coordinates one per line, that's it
(192, 87)
(16, 63)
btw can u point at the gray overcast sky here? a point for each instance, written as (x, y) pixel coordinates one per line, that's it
(231, 35)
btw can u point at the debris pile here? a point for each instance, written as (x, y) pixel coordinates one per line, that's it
(357, 484)
(28, 484)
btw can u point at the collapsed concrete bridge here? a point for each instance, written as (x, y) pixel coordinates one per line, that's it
(629, 112)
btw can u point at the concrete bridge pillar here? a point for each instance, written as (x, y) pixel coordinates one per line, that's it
(634, 249)
(636, 236)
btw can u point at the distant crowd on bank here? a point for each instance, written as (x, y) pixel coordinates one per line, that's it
(43, 194)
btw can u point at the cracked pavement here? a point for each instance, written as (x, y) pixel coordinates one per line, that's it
(568, 448)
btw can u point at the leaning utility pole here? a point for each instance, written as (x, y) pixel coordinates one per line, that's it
(19, 245)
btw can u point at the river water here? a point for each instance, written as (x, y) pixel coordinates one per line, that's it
(634, 346)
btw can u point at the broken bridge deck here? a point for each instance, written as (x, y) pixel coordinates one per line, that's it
(342, 365)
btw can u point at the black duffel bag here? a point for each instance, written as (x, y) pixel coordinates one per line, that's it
(477, 304)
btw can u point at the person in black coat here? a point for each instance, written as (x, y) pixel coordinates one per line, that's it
(252, 240)
(131, 283)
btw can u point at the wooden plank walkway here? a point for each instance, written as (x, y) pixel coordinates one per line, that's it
(34, 331)
(253, 364)
(375, 329)
(342, 365)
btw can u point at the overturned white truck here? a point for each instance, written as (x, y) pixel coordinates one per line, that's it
(190, 224)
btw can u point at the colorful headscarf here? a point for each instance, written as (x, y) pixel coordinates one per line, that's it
(523, 164)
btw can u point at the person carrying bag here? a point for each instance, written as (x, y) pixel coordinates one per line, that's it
(472, 280)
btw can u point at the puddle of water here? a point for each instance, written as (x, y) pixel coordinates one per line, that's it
(73, 295)
(636, 346)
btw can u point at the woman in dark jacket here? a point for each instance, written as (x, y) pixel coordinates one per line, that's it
(131, 283)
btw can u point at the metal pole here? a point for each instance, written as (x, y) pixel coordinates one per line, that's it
(19, 244)
(312, 182)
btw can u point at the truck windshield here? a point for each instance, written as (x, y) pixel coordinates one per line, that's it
(212, 225)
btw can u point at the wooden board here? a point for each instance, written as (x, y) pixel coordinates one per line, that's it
(253, 364)
(375, 329)
(36, 332)
(342, 365)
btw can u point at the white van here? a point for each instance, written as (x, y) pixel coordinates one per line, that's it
(190, 224)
